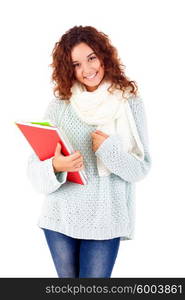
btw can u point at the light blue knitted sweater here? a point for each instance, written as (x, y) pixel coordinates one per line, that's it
(105, 207)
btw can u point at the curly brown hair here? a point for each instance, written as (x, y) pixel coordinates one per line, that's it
(63, 74)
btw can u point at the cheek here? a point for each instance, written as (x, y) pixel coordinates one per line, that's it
(100, 68)
(101, 71)
(78, 74)
(97, 64)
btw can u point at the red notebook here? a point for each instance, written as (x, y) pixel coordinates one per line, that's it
(43, 137)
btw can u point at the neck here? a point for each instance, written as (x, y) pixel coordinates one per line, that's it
(93, 88)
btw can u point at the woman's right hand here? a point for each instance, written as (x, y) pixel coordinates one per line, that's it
(70, 163)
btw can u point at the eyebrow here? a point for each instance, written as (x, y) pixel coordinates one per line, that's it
(87, 56)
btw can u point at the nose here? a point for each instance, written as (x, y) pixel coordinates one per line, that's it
(86, 70)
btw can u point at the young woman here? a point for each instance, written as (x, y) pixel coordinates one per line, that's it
(104, 118)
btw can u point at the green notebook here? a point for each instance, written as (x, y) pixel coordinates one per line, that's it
(42, 123)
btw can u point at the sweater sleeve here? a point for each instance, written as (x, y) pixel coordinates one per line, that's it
(41, 173)
(122, 163)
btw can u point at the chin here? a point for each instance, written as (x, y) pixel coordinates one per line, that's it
(93, 83)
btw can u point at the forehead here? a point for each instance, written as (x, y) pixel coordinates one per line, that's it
(81, 50)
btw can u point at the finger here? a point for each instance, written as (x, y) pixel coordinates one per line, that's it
(93, 133)
(75, 155)
(79, 165)
(101, 133)
(78, 160)
(58, 149)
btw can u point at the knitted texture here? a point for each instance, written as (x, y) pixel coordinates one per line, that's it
(105, 207)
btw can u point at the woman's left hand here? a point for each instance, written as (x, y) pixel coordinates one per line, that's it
(98, 137)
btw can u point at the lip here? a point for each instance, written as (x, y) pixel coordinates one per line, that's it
(91, 78)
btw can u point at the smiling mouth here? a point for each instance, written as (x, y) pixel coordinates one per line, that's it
(91, 77)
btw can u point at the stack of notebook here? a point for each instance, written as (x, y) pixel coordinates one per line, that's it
(43, 137)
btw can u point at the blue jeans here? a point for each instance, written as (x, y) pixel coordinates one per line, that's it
(81, 258)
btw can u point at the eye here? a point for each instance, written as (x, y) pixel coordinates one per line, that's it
(92, 57)
(75, 65)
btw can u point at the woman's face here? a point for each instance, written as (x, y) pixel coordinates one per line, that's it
(87, 67)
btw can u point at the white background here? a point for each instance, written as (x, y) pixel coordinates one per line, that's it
(149, 37)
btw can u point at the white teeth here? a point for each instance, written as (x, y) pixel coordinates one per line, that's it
(92, 76)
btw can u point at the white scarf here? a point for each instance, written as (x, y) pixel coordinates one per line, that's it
(112, 115)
